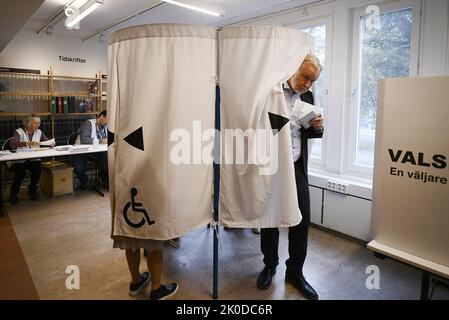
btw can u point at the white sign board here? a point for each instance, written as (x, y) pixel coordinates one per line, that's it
(411, 188)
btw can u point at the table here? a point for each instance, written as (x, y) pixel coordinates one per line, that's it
(58, 151)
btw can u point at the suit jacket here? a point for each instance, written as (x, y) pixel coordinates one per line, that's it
(307, 134)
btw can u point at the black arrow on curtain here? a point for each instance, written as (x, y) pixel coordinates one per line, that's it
(277, 122)
(136, 139)
(111, 137)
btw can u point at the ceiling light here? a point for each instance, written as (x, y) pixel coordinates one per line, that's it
(84, 11)
(69, 11)
(193, 6)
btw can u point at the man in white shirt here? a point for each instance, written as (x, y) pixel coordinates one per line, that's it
(30, 136)
(297, 87)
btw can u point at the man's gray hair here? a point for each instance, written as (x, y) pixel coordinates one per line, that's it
(27, 120)
(313, 60)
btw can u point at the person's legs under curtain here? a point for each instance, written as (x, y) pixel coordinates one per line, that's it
(269, 243)
(298, 238)
(159, 291)
(138, 281)
(298, 235)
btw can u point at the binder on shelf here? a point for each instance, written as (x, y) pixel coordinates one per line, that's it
(54, 103)
(72, 104)
(65, 104)
(60, 109)
(81, 110)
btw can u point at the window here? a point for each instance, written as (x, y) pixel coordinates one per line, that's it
(319, 33)
(382, 49)
(385, 53)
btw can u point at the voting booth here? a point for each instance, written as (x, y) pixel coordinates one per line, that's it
(162, 100)
(410, 208)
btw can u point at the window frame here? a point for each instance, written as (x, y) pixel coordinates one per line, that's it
(310, 22)
(350, 168)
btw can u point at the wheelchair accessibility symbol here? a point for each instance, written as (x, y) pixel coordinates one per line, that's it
(136, 207)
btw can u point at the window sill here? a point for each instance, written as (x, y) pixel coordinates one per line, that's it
(357, 187)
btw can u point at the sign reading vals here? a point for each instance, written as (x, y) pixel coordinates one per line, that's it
(411, 191)
(71, 59)
(408, 157)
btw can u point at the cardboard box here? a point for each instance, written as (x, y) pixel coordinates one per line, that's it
(56, 178)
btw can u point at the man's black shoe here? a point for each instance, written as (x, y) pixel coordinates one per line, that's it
(300, 283)
(265, 277)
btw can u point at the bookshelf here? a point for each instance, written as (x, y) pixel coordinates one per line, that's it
(63, 102)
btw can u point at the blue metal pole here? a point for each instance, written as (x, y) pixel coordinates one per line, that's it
(216, 189)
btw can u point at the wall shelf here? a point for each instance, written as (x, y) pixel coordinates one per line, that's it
(23, 93)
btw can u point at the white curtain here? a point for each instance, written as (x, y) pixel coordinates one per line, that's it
(162, 82)
(161, 100)
(254, 62)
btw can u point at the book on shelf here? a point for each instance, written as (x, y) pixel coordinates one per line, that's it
(60, 109)
(65, 104)
(54, 103)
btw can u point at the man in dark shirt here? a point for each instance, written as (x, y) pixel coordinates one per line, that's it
(89, 130)
(297, 87)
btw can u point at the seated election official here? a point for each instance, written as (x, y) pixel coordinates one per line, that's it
(89, 130)
(29, 136)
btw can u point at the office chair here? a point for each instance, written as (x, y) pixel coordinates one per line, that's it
(6, 145)
(72, 138)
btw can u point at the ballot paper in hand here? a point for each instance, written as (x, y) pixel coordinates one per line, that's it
(48, 143)
(305, 112)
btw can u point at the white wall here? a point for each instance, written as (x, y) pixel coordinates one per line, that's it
(29, 50)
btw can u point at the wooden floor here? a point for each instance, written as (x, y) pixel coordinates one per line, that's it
(54, 234)
(15, 279)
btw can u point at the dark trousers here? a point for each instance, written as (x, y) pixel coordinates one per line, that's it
(79, 163)
(19, 174)
(297, 235)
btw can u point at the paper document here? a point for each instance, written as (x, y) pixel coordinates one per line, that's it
(26, 149)
(79, 147)
(48, 143)
(62, 148)
(303, 112)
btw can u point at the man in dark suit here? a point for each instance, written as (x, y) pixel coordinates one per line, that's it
(297, 87)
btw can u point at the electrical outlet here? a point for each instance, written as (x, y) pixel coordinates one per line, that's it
(337, 187)
(330, 185)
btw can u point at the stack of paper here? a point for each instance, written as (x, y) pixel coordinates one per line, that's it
(79, 147)
(49, 143)
(303, 112)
